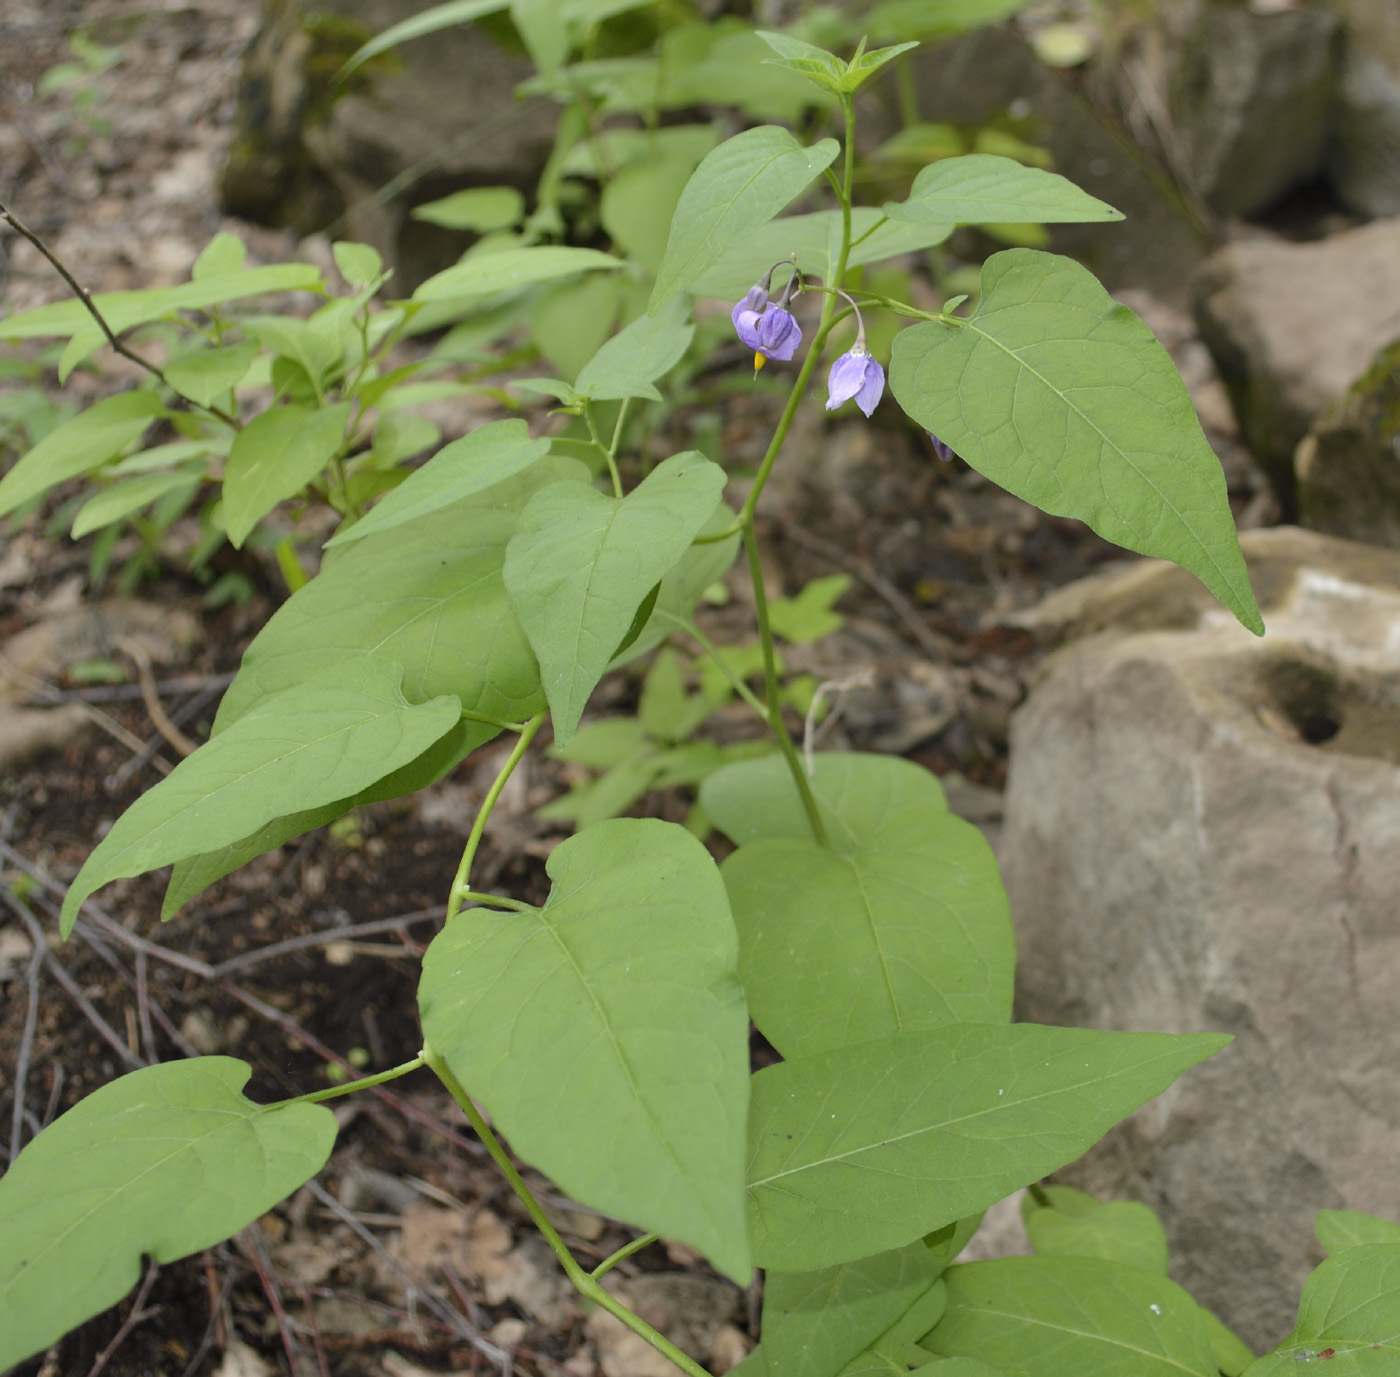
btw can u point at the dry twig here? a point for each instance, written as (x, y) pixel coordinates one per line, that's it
(134, 1317)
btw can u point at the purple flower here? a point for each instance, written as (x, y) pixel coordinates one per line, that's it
(944, 452)
(856, 374)
(771, 333)
(748, 310)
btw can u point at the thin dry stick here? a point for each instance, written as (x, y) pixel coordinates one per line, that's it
(933, 645)
(320, 939)
(315, 1330)
(85, 297)
(26, 1045)
(148, 750)
(145, 675)
(143, 1008)
(211, 1330)
(134, 1317)
(457, 1323)
(36, 933)
(47, 696)
(257, 1255)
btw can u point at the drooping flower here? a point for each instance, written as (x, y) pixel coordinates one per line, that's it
(856, 374)
(944, 452)
(768, 327)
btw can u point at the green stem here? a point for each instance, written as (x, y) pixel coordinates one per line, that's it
(459, 883)
(471, 896)
(609, 453)
(775, 709)
(725, 668)
(586, 1285)
(636, 1246)
(360, 1083)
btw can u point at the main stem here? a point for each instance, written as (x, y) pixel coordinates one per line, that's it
(750, 507)
(585, 1283)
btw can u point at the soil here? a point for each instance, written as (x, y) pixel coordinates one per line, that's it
(408, 1253)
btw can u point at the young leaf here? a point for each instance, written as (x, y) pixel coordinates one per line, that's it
(208, 374)
(1036, 1315)
(427, 594)
(857, 795)
(1064, 398)
(1077, 1225)
(165, 1161)
(814, 1323)
(1350, 1305)
(1340, 1229)
(606, 1032)
(127, 496)
(979, 188)
(629, 363)
(580, 565)
(224, 253)
(508, 270)
(808, 616)
(78, 446)
(481, 209)
(329, 738)
(274, 457)
(869, 1147)
(489, 455)
(431, 20)
(737, 188)
(638, 204)
(358, 264)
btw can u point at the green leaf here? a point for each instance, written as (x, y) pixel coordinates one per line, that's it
(1077, 1225)
(358, 264)
(865, 66)
(1232, 1354)
(329, 738)
(207, 375)
(738, 188)
(814, 1323)
(808, 616)
(857, 796)
(489, 455)
(913, 18)
(614, 1013)
(1350, 1304)
(427, 594)
(1340, 1229)
(274, 457)
(79, 446)
(1037, 1316)
(224, 253)
(162, 1162)
(299, 341)
(869, 1147)
(432, 20)
(127, 496)
(886, 1357)
(481, 209)
(906, 929)
(638, 204)
(816, 240)
(580, 565)
(508, 270)
(980, 187)
(1064, 398)
(570, 322)
(629, 363)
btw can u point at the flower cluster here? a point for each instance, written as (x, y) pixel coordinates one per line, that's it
(769, 329)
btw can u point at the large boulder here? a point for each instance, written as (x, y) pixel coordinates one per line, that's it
(1292, 326)
(1348, 469)
(435, 115)
(1364, 161)
(1250, 97)
(1201, 833)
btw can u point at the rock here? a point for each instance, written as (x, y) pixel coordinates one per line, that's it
(1291, 326)
(1364, 162)
(1250, 95)
(438, 111)
(1201, 830)
(1348, 469)
(992, 71)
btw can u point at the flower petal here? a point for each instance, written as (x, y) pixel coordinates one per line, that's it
(872, 388)
(846, 377)
(778, 334)
(746, 324)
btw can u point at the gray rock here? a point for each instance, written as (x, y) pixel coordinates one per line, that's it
(437, 115)
(993, 70)
(1292, 326)
(1250, 96)
(1200, 834)
(1364, 161)
(1348, 469)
